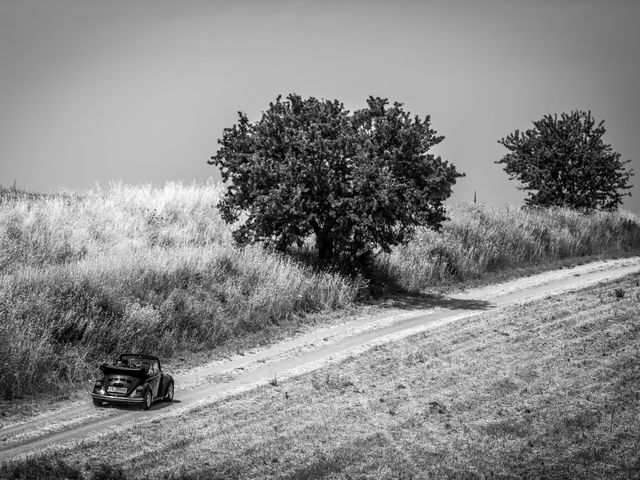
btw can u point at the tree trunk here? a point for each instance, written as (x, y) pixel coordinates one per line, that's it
(324, 244)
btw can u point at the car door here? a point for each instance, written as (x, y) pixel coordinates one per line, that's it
(154, 377)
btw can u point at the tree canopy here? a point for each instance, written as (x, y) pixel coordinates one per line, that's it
(357, 181)
(565, 162)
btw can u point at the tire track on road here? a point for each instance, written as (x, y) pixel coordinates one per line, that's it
(302, 354)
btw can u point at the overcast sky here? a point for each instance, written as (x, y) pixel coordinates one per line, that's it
(140, 90)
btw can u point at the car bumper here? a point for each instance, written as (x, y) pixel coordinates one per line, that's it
(121, 400)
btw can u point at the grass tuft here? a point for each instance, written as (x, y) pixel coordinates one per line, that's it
(44, 467)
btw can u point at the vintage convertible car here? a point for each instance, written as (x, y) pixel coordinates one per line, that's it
(133, 379)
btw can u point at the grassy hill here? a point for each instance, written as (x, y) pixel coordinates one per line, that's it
(155, 269)
(544, 390)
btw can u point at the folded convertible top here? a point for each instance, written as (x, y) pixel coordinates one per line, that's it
(132, 372)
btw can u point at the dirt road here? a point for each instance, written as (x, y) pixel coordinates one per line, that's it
(302, 354)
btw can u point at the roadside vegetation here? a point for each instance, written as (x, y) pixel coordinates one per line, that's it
(156, 269)
(544, 390)
(478, 240)
(134, 269)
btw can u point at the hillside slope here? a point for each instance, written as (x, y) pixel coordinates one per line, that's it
(545, 389)
(154, 269)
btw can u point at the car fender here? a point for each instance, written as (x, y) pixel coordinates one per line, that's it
(166, 381)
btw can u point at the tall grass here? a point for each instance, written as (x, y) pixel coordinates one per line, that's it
(155, 269)
(478, 239)
(134, 268)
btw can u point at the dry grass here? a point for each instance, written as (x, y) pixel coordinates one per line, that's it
(134, 269)
(479, 240)
(544, 390)
(154, 269)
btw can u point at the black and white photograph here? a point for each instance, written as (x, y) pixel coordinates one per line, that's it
(330, 239)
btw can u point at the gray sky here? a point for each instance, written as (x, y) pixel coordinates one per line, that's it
(140, 91)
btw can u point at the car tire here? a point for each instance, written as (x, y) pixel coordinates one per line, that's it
(168, 397)
(148, 399)
(97, 403)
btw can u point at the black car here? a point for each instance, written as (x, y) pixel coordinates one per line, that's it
(133, 379)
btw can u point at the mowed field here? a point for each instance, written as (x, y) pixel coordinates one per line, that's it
(545, 389)
(154, 269)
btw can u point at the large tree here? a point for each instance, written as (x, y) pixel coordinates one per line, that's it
(357, 182)
(564, 162)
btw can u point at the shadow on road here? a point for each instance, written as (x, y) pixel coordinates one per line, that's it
(425, 301)
(134, 408)
(163, 405)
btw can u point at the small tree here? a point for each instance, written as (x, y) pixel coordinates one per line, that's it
(564, 162)
(357, 182)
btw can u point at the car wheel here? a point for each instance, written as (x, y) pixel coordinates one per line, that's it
(169, 395)
(148, 399)
(97, 403)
